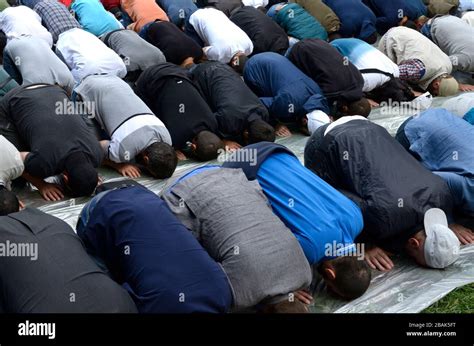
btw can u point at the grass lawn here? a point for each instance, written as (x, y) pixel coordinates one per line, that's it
(461, 300)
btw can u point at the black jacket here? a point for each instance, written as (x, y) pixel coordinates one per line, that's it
(226, 6)
(336, 75)
(175, 44)
(266, 34)
(391, 187)
(62, 267)
(232, 102)
(174, 98)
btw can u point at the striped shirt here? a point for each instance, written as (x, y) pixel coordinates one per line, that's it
(56, 17)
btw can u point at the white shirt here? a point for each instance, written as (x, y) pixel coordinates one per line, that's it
(255, 3)
(86, 55)
(316, 119)
(11, 164)
(135, 135)
(222, 37)
(23, 21)
(342, 121)
(469, 18)
(375, 59)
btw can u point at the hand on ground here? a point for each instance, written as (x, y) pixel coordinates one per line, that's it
(180, 155)
(466, 87)
(304, 297)
(51, 192)
(465, 235)
(372, 103)
(129, 170)
(231, 146)
(378, 259)
(282, 131)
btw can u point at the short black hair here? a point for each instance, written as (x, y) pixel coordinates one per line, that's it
(82, 175)
(9, 203)
(207, 146)
(361, 107)
(353, 276)
(162, 160)
(261, 131)
(395, 89)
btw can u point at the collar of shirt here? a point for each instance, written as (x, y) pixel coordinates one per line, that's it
(342, 121)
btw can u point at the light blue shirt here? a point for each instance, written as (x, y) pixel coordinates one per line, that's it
(466, 5)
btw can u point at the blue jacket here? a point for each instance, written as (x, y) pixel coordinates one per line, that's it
(443, 144)
(153, 255)
(286, 91)
(390, 13)
(324, 221)
(357, 20)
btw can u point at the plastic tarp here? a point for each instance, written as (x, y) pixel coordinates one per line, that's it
(406, 289)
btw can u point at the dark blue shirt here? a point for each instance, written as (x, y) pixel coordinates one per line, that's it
(286, 91)
(152, 254)
(357, 20)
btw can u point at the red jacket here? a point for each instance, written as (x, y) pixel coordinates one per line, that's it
(108, 4)
(66, 3)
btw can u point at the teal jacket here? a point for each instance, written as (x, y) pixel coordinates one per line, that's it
(300, 24)
(7, 83)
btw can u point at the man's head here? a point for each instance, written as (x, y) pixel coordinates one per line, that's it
(159, 159)
(348, 277)
(238, 62)
(445, 85)
(274, 9)
(344, 108)
(395, 89)
(436, 246)
(260, 131)
(81, 175)
(206, 146)
(8, 202)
